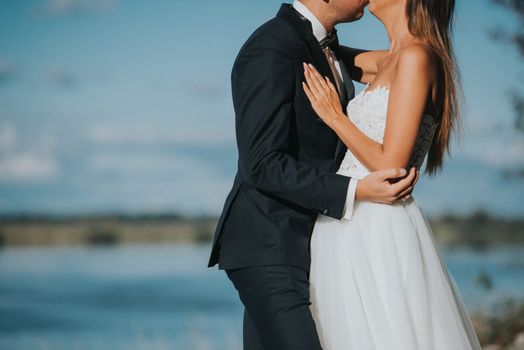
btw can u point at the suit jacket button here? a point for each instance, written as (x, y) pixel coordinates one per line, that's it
(325, 211)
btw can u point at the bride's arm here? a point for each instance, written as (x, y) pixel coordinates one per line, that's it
(362, 65)
(410, 90)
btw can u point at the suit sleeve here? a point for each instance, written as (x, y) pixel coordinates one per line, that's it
(263, 86)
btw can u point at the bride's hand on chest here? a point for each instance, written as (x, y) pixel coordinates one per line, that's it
(323, 95)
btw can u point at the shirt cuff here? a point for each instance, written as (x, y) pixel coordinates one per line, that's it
(350, 199)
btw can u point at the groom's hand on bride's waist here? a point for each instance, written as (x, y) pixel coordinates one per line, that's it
(387, 186)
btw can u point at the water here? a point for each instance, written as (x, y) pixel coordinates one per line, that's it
(163, 297)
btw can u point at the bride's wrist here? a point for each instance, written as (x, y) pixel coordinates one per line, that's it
(337, 119)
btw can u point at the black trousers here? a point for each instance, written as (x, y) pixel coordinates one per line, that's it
(277, 315)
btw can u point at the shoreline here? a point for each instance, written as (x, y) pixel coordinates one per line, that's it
(478, 231)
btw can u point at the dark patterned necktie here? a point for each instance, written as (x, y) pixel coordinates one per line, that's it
(331, 41)
(329, 46)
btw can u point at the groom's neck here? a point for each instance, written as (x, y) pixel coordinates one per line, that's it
(322, 11)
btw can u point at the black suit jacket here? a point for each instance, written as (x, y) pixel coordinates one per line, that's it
(287, 155)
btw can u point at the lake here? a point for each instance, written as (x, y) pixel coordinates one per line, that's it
(164, 297)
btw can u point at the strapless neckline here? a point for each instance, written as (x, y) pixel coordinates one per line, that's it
(378, 88)
(368, 111)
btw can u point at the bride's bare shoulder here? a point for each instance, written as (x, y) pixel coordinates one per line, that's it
(417, 65)
(418, 58)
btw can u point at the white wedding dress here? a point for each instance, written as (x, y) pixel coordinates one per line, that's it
(377, 280)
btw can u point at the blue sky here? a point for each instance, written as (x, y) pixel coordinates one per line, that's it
(126, 106)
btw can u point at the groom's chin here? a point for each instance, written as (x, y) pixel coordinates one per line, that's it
(357, 16)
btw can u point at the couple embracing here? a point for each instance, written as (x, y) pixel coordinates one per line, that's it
(319, 234)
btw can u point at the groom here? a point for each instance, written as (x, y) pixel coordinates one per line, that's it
(286, 172)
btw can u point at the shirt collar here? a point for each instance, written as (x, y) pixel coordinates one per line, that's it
(319, 31)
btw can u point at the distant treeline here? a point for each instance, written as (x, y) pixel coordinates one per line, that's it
(53, 218)
(478, 230)
(478, 216)
(103, 229)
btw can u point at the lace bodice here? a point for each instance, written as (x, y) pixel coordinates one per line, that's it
(368, 111)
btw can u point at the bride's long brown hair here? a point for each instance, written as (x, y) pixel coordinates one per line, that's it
(432, 20)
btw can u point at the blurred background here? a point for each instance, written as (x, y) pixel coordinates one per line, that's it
(117, 150)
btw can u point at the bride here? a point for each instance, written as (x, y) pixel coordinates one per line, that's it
(377, 280)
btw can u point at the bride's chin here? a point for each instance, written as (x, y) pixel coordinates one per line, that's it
(372, 6)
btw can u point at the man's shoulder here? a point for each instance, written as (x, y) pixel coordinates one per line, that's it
(275, 26)
(274, 41)
(277, 31)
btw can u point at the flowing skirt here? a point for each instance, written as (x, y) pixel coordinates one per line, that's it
(378, 282)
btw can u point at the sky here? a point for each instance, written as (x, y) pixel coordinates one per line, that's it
(125, 106)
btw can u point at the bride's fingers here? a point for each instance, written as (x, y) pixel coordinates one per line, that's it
(331, 86)
(307, 84)
(312, 84)
(314, 71)
(308, 92)
(313, 81)
(404, 195)
(318, 78)
(400, 186)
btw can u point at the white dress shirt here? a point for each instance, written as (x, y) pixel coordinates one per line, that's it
(320, 32)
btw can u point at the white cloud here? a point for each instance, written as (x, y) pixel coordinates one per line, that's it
(160, 182)
(62, 7)
(7, 137)
(33, 162)
(148, 135)
(27, 166)
(506, 154)
(132, 163)
(494, 146)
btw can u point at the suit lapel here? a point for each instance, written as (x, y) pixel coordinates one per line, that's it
(303, 28)
(320, 59)
(350, 93)
(348, 83)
